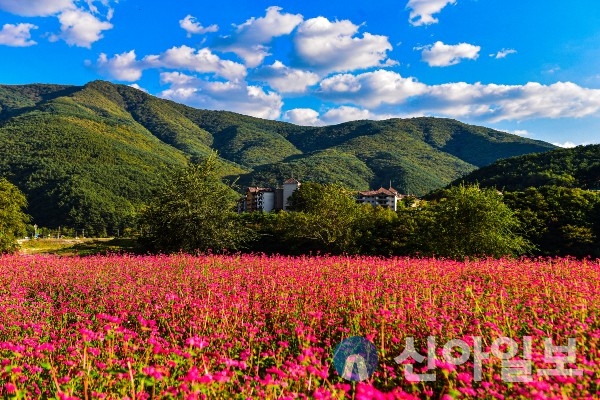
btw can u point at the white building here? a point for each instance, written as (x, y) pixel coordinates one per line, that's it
(387, 198)
(258, 199)
(265, 201)
(268, 199)
(289, 187)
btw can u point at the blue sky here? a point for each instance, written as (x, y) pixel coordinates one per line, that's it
(527, 67)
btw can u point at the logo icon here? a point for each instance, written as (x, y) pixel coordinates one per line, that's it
(355, 359)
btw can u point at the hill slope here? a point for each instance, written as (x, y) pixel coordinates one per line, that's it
(578, 167)
(89, 156)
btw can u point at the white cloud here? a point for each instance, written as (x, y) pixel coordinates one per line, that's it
(202, 60)
(193, 27)
(388, 92)
(17, 35)
(327, 46)
(520, 132)
(232, 96)
(341, 83)
(503, 53)
(303, 116)
(80, 28)
(35, 8)
(250, 38)
(273, 24)
(345, 114)
(510, 102)
(285, 79)
(138, 87)
(421, 11)
(123, 67)
(126, 67)
(371, 89)
(566, 145)
(337, 115)
(443, 55)
(176, 79)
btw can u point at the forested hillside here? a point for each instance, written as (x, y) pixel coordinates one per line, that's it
(90, 156)
(578, 167)
(554, 194)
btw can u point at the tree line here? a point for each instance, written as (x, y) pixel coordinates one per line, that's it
(194, 211)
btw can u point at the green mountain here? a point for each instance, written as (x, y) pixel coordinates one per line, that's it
(578, 167)
(89, 156)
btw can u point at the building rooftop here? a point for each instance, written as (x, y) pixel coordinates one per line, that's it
(290, 181)
(382, 191)
(259, 189)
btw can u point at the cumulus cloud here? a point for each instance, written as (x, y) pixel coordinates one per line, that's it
(250, 39)
(80, 28)
(503, 53)
(138, 87)
(232, 96)
(202, 60)
(336, 115)
(345, 114)
(371, 89)
(35, 8)
(511, 102)
(123, 67)
(126, 67)
(193, 27)
(443, 55)
(386, 91)
(421, 11)
(285, 79)
(303, 116)
(566, 145)
(17, 35)
(327, 46)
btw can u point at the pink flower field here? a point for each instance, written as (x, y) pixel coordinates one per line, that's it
(250, 326)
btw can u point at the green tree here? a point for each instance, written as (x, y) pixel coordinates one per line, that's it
(12, 218)
(193, 211)
(468, 221)
(559, 220)
(380, 231)
(326, 215)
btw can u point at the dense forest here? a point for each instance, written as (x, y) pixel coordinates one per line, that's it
(90, 157)
(578, 167)
(457, 222)
(555, 195)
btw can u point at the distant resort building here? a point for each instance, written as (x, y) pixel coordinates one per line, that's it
(289, 187)
(268, 199)
(259, 199)
(387, 198)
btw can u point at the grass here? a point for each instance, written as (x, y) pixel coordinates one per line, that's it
(81, 246)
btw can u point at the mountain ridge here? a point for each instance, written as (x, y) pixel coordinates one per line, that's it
(577, 167)
(95, 152)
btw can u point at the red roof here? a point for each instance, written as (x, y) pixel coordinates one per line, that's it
(382, 191)
(259, 189)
